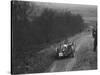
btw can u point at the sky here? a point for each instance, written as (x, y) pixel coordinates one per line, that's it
(75, 8)
(88, 12)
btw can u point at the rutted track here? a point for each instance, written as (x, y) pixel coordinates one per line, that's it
(81, 40)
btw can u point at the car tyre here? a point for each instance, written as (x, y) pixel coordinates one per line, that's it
(72, 55)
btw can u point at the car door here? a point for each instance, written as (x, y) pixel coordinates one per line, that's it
(68, 50)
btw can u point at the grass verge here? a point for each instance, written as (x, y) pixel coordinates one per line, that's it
(35, 63)
(86, 60)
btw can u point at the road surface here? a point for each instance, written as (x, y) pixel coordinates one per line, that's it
(83, 40)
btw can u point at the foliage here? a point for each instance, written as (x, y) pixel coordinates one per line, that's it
(29, 37)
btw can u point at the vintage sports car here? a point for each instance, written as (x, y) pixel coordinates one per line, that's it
(65, 50)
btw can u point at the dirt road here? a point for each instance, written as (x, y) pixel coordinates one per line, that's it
(83, 40)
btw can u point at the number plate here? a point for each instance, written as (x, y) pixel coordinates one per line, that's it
(60, 54)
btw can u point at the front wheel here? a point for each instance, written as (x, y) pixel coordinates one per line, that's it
(72, 54)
